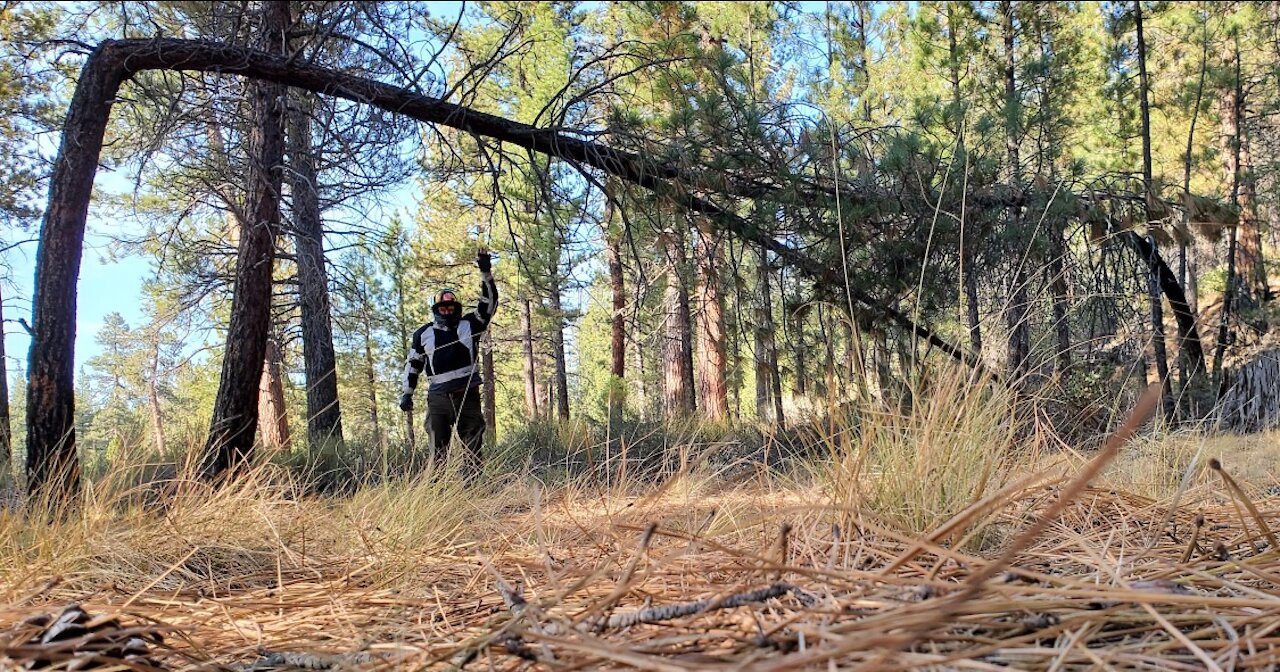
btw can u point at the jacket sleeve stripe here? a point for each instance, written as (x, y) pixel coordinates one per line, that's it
(413, 366)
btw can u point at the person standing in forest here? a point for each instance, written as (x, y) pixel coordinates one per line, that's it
(447, 349)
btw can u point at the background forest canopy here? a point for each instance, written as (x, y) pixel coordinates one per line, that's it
(826, 204)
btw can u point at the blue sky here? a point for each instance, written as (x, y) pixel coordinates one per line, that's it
(105, 286)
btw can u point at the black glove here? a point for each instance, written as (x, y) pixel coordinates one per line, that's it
(484, 261)
(406, 402)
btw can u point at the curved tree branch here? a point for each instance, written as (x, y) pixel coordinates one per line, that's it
(50, 409)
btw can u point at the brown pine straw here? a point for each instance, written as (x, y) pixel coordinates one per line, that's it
(1141, 413)
(1195, 536)
(1238, 493)
(649, 582)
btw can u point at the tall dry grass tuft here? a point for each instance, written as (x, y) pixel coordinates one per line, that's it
(160, 532)
(399, 524)
(156, 533)
(916, 468)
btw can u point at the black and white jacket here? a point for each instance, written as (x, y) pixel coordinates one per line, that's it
(449, 355)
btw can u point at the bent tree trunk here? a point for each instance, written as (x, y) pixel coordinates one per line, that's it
(52, 471)
(1188, 334)
(51, 463)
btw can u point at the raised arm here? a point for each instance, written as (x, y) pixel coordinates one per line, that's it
(488, 304)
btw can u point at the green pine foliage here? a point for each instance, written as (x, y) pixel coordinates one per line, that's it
(864, 141)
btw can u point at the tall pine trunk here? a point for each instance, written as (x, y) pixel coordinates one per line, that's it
(1149, 197)
(968, 259)
(6, 426)
(711, 336)
(1017, 316)
(830, 374)
(558, 356)
(617, 319)
(793, 333)
(273, 418)
(970, 278)
(1059, 287)
(235, 410)
(371, 380)
(641, 378)
(800, 351)
(402, 318)
(768, 380)
(490, 388)
(677, 393)
(1232, 112)
(153, 402)
(324, 419)
(1187, 270)
(686, 341)
(530, 360)
(53, 472)
(1252, 262)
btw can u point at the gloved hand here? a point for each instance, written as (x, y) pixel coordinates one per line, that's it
(483, 260)
(406, 402)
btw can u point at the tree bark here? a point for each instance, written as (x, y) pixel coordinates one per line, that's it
(1153, 279)
(273, 418)
(1058, 286)
(768, 381)
(53, 475)
(402, 318)
(686, 341)
(827, 388)
(968, 259)
(1187, 270)
(801, 352)
(711, 338)
(1233, 104)
(231, 434)
(793, 333)
(489, 391)
(530, 362)
(371, 382)
(618, 318)
(153, 403)
(6, 425)
(1019, 327)
(642, 388)
(324, 417)
(779, 415)
(558, 355)
(677, 393)
(1251, 260)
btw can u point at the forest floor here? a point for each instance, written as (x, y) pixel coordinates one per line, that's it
(767, 570)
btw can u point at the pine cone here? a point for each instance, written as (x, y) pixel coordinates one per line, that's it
(76, 640)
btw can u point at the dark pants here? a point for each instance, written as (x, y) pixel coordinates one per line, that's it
(461, 408)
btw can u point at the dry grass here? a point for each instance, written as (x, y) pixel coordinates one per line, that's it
(918, 468)
(429, 574)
